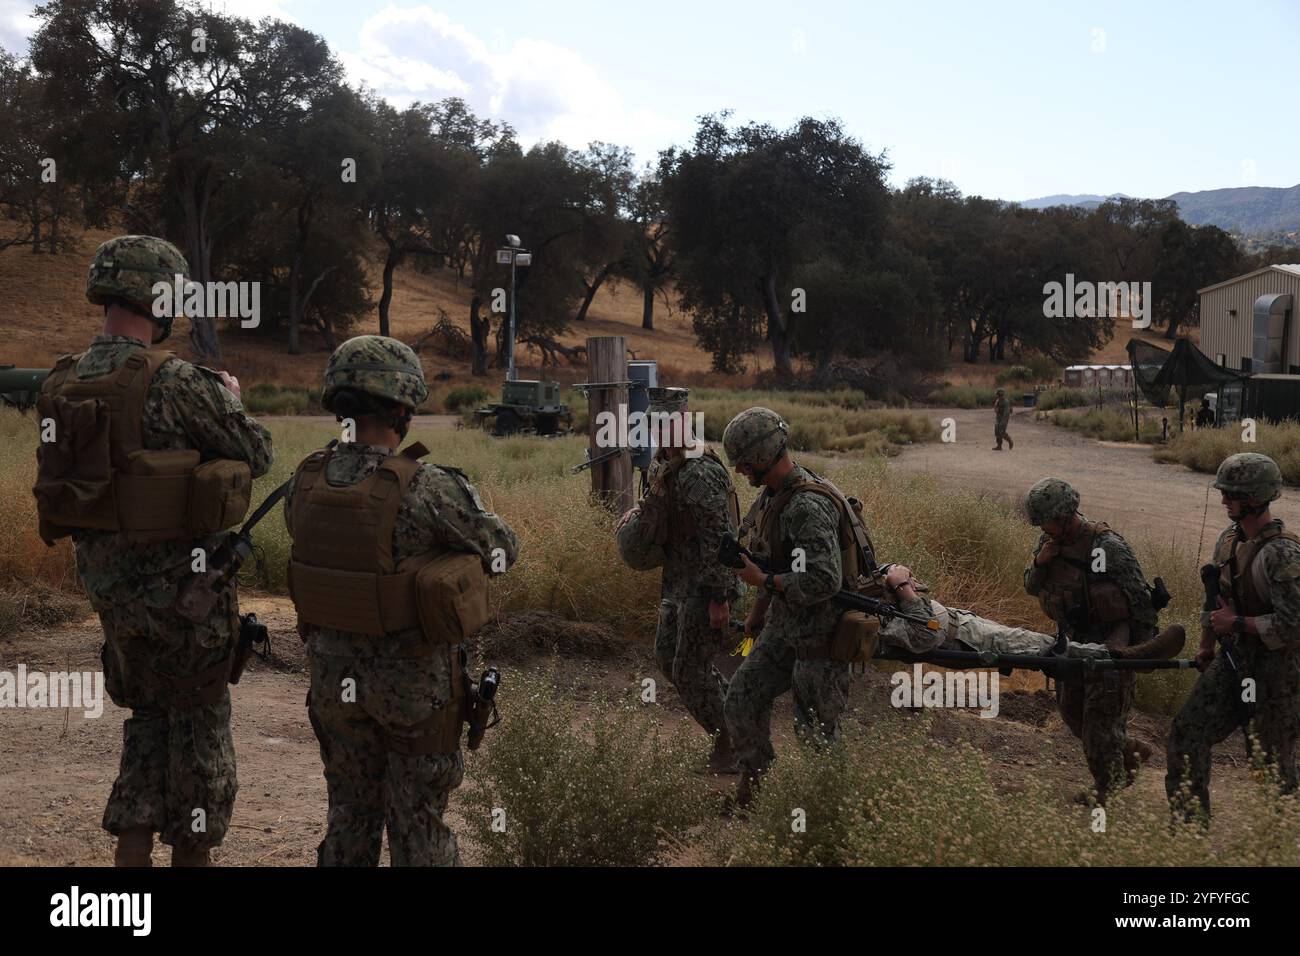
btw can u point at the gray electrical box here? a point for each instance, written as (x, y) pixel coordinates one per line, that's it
(646, 376)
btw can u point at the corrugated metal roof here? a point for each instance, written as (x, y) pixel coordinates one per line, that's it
(1289, 268)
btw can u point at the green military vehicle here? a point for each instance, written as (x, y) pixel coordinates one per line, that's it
(527, 406)
(20, 386)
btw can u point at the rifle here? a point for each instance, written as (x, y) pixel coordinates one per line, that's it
(1069, 669)
(251, 631)
(481, 705)
(730, 550)
(1213, 592)
(19, 387)
(197, 598)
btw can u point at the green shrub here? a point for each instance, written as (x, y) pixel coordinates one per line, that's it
(604, 787)
(1204, 449)
(890, 796)
(1043, 368)
(465, 397)
(1016, 375)
(1106, 424)
(265, 398)
(1066, 398)
(962, 396)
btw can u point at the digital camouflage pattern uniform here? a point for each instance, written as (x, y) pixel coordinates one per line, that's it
(395, 681)
(686, 513)
(1002, 418)
(176, 758)
(1096, 711)
(961, 630)
(800, 620)
(1214, 709)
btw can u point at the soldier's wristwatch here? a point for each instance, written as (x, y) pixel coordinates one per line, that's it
(769, 585)
(1239, 625)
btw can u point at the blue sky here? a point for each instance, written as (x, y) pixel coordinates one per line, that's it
(1012, 100)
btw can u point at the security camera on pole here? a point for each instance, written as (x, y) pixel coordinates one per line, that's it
(529, 405)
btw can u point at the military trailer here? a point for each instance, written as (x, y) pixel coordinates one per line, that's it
(527, 405)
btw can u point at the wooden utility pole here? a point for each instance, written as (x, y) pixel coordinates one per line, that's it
(611, 479)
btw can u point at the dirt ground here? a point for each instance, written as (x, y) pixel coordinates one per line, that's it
(56, 767)
(1122, 486)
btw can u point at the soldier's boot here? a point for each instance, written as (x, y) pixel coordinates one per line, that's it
(723, 758)
(1011, 446)
(133, 847)
(190, 856)
(1136, 753)
(997, 447)
(1161, 647)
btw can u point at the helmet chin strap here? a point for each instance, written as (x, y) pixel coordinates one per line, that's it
(761, 476)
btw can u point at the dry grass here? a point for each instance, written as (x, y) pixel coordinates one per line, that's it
(1204, 449)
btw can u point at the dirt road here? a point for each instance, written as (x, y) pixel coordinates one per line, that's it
(1119, 483)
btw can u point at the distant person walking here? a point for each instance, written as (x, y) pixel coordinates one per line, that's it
(1205, 415)
(1002, 411)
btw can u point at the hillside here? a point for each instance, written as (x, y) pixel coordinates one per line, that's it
(1247, 210)
(48, 315)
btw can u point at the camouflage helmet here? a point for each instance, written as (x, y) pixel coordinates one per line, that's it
(1252, 474)
(128, 267)
(636, 546)
(756, 437)
(378, 366)
(1051, 500)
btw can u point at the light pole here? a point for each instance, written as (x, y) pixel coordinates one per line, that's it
(513, 255)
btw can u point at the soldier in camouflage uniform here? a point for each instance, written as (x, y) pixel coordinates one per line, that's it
(177, 772)
(794, 616)
(690, 506)
(1002, 418)
(374, 698)
(961, 630)
(1259, 622)
(1087, 579)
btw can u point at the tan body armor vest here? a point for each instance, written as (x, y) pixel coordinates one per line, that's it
(1235, 558)
(857, 633)
(1073, 593)
(97, 474)
(342, 574)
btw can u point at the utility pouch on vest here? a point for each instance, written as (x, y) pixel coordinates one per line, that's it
(221, 493)
(74, 479)
(855, 638)
(1109, 603)
(451, 596)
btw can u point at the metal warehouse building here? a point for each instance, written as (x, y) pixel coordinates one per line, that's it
(1248, 323)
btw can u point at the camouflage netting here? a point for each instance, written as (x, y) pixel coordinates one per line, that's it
(1161, 375)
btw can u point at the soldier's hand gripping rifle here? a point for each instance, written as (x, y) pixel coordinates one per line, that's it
(1213, 594)
(729, 554)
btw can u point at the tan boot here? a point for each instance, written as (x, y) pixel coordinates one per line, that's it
(1161, 647)
(723, 758)
(133, 847)
(1011, 446)
(190, 856)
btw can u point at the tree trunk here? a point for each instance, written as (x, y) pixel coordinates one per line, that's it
(478, 331)
(390, 263)
(295, 314)
(592, 289)
(648, 308)
(778, 331)
(194, 196)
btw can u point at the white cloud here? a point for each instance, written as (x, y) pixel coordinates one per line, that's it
(16, 25)
(546, 91)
